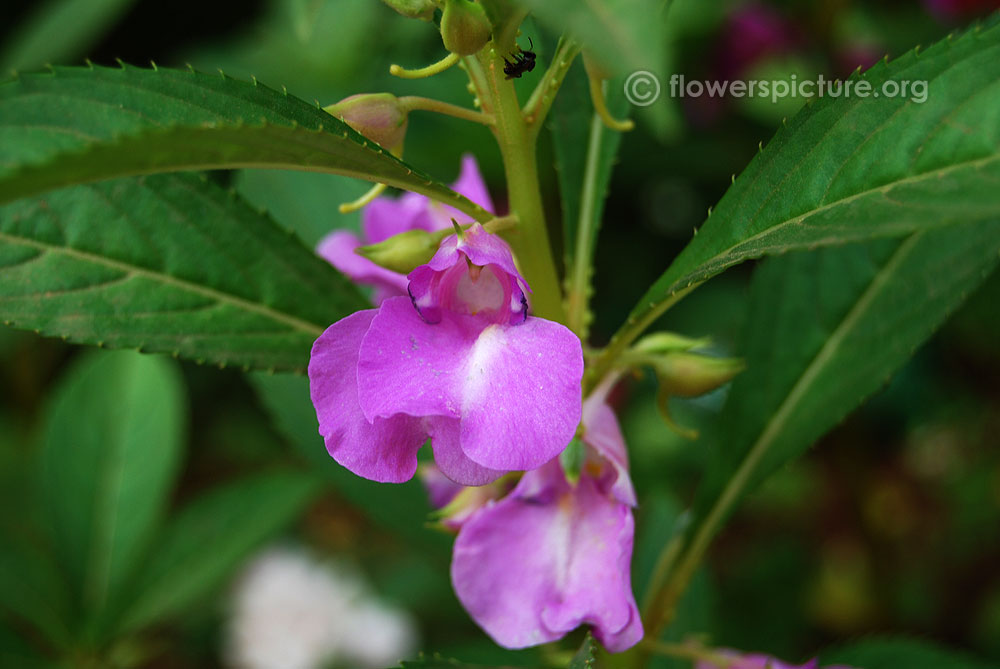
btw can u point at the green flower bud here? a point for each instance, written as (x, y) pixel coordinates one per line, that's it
(465, 29)
(685, 374)
(413, 9)
(378, 116)
(668, 342)
(402, 252)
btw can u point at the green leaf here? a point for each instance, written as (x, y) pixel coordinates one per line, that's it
(58, 30)
(166, 263)
(78, 125)
(825, 330)
(584, 657)
(894, 653)
(624, 35)
(585, 153)
(112, 447)
(210, 537)
(304, 202)
(852, 168)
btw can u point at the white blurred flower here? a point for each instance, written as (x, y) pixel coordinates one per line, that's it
(293, 612)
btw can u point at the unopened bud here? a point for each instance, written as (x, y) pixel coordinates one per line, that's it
(413, 9)
(669, 342)
(378, 116)
(465, 29)
(402, 252)
(685, 374)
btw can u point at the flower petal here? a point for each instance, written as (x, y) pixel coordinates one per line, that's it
(516, 388)
(338, 247)
(603, 433)
(384, 450)
(450, 458)
(530, 569)
(408, 366)
(384, 217)
(520, 394)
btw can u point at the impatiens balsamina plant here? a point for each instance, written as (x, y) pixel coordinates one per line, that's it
(452, 323)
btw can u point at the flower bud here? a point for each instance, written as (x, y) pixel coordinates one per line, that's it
(378, 116)
(413, 9)
(402, 252)
(669, 342)
(465, 29)
(685, 374)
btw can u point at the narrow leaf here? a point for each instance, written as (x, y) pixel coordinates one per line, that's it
(853, 168)
(166, 263)
(111, 452)
(825, 330)
(78, 125)
(210, 537)
(584, 656)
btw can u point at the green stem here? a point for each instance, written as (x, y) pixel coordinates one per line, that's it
(412, 102)
(530, 240)
(578, 290)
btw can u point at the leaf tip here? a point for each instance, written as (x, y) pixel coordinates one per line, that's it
(152, 64)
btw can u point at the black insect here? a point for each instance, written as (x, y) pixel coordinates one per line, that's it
(524, 61)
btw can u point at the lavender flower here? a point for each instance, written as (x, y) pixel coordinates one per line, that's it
(460, 361)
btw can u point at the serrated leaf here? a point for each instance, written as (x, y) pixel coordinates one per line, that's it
(825, 330)
(112, 448)
(210, 537)
(894, 653)
(166, 263)
(78, 125)
(852, 168)
(584, 656)
(585, 152)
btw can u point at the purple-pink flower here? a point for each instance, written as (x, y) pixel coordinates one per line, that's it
(459, 361)
(385, 217)
(553, 554)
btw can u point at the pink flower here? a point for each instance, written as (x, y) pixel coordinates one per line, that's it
(460, 362)
(386, 217)
(553, 555)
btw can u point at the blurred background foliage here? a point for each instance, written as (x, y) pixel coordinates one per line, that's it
(890, 524)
